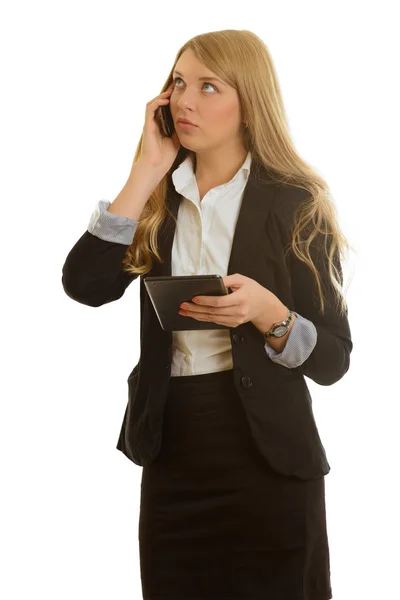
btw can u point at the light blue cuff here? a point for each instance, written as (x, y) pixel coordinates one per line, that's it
(111, 227)
(300, 343)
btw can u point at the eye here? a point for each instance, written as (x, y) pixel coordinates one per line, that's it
(205, 83)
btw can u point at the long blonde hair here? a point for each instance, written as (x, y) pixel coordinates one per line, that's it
(241, 59)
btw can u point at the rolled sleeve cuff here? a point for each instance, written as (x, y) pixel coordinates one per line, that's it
(111, 227)
(301, 342)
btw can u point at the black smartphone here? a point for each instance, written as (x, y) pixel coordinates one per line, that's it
(165, 120)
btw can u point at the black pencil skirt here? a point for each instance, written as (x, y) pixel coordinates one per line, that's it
(216, 521)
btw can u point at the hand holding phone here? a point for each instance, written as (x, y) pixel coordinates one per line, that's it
(158, 148)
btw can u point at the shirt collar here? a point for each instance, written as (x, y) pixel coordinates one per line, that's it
(183, 176)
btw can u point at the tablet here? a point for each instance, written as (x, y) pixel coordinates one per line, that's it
(168, 292)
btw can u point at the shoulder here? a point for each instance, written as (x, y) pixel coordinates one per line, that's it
(288, 197)
(288, 200)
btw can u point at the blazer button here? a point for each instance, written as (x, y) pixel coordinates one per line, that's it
(246, 382)
(237, 338)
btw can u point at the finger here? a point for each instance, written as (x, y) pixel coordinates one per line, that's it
(221, 301)
(190, 307)
(218, 319)
(160, 96)
(203, 308)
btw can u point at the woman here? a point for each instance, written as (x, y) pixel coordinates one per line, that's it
(232, 493)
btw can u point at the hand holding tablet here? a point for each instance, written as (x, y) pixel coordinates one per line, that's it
(168, 292)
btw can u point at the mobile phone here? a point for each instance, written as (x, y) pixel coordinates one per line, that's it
(165, 120)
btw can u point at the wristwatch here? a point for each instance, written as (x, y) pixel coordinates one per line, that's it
(279, 329)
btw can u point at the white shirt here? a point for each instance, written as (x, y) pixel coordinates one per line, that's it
(202, 245)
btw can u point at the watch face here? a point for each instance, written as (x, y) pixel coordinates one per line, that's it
(280, 331)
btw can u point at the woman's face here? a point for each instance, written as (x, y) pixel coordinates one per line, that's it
(210, 104)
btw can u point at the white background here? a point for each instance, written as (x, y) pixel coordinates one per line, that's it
(76, 77)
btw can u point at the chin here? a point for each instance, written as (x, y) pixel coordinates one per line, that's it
(187, 145)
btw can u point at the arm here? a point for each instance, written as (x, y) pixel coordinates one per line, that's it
(329, 359)
(92, 273)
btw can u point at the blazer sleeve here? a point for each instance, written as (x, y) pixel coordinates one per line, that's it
(329, 360)
(92, 273)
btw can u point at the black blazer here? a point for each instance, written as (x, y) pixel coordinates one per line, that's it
(276, 399)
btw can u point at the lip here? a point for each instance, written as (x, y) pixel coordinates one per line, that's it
(186, 126)
(187, 122)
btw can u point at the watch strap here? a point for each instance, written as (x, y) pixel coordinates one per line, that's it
(285, 323)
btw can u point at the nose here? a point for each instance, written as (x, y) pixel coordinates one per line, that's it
(187, 99)
(185, 104)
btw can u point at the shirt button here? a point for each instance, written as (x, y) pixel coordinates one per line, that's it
(187, 358)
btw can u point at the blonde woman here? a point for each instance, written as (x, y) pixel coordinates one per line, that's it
(219, 414)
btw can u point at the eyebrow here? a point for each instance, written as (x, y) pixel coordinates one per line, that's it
(203, 78)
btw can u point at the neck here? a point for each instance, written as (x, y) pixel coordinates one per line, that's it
(216, 167)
